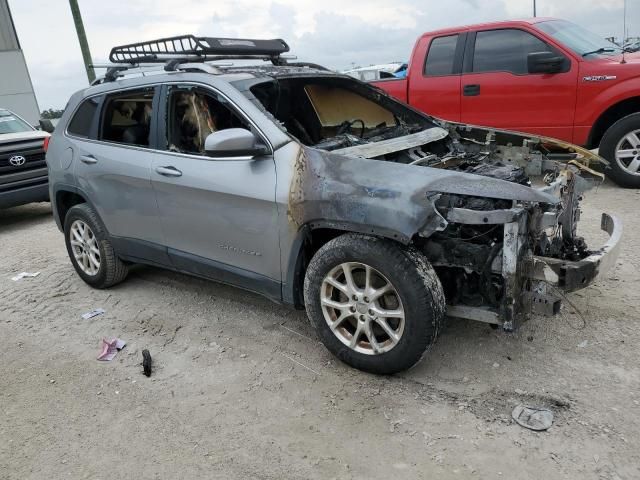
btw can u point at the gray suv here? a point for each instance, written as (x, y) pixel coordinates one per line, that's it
(318, 191)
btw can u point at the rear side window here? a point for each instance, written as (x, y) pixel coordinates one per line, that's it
(441, 56)
(80, 124)
(127, 116)
(505, 50)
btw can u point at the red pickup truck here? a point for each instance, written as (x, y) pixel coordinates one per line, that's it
(543, 76)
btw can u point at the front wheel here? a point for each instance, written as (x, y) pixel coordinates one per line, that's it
(621, 146)
(376, 305)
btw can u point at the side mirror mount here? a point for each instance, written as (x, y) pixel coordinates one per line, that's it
(545, 62)
(233, 142)
(46, 125)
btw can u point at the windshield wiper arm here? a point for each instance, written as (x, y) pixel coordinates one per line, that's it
(600, 50)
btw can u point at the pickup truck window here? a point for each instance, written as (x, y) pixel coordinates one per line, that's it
(9, 123)
(505, 50)
(441, 55)
(578, 39)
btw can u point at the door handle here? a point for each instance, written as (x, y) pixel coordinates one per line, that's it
(471, 90)
(88, 159)
(169, 171)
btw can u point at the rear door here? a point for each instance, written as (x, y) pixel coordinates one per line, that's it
(498, 91)
(218, 215)
(434, 82)
(112, 150)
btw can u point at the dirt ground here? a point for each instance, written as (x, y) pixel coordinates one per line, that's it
(242, 388)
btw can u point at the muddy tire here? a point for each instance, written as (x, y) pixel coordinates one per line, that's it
(621, 146)
(376, 305)
(90, 248)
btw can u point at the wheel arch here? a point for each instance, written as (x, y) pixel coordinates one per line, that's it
(610, 116)
(64, 199)
(310, 238)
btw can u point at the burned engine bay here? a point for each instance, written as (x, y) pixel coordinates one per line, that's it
(466, 239)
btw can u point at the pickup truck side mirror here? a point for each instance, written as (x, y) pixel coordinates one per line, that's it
(545, 62)
(46, 125)
(233, 142)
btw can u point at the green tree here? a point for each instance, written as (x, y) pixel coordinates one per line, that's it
(51, 113)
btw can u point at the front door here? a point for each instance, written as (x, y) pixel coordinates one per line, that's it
(498, 91)
(218, 215)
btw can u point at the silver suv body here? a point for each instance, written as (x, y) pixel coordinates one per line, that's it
(319, 191)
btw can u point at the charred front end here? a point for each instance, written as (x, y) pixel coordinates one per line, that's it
(495, 212)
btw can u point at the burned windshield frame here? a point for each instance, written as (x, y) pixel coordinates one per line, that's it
(256, 90)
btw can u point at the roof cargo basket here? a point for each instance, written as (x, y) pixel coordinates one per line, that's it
(190, 47)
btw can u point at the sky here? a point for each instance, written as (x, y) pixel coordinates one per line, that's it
(334, 33)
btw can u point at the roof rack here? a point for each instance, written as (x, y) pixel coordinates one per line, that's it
(192, 48)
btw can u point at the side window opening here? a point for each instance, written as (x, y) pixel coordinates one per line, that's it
(505, 50)
(441, 56)
(193, 114)
(80, 124)
(127, 117)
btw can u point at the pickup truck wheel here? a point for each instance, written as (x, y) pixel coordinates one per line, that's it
(621, 146)
(90, 249)
(376, 305)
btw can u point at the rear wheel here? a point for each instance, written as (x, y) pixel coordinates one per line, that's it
(621, 146)
(90, 248)
(375, 304)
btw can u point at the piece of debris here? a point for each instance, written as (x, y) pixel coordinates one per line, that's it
(533, 418)
(110, 348)
(22, 275)
(496, 365)
(583, 344)
(146, 362)
(93, 313)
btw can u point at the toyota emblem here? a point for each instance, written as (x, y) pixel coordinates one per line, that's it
(17, 160)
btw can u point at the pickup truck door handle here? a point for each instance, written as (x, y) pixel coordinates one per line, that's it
(471, 90)
(169, 171)
(88, 159)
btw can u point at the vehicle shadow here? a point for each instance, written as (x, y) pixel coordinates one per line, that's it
(15, 218)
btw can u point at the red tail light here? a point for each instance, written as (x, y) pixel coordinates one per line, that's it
(45, 145)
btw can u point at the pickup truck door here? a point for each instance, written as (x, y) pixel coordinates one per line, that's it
(434, 76)
(218, 215)
(498, 91)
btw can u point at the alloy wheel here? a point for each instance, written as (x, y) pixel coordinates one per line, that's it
(362, 308)
(84, 246)
(628, 152)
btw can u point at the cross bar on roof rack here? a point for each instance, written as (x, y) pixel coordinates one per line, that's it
(163, 49)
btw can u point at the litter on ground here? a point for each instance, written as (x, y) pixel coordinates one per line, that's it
(92, 313)
(533, 418)
(22, 275)
(146, 362)
(110, 348)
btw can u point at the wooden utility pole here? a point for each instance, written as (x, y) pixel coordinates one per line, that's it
(82, 38)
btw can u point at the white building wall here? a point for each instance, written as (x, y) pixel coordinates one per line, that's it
(16, 90)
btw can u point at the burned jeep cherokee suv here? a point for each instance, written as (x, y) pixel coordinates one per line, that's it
(318, 191)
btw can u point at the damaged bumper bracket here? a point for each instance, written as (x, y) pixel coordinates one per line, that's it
(570, 276)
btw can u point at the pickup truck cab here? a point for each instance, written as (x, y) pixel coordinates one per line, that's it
(543, 76)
